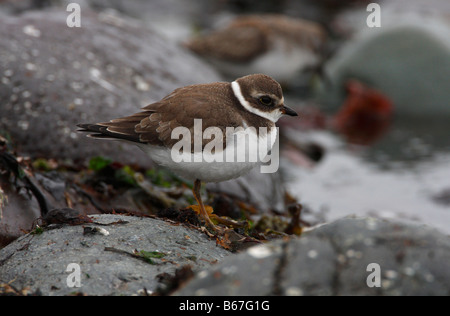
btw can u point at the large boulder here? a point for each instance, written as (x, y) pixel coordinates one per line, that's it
(137, 254)
(351, 256)
(54, 77)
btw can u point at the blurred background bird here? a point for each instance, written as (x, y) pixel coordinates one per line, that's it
(276, 45)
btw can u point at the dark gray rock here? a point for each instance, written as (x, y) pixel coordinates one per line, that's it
(333, 259)
(174, 19)
(53, 77)
(39, 262)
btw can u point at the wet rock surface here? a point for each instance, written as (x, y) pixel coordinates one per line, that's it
(54, 77)
(136, 254)
(122, 255)
(333, 259)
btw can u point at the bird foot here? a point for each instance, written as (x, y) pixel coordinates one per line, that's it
(209, 218)
(218, 219)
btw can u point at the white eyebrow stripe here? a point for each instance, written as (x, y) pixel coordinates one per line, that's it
(272, 116)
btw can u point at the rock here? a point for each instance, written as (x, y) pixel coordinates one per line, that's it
(334, 259)
(174, 19)
(40, 262)
(54, 77)
(353, 19)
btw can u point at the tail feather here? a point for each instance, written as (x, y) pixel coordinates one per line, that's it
(103, 132)
(122, 128)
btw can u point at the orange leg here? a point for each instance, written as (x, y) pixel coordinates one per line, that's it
(203, 213)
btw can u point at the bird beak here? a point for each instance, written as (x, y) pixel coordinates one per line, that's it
(288, 111)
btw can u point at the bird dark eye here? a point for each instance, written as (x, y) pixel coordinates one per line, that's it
(265, 100)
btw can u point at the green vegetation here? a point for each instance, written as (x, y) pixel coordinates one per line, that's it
(149, 255)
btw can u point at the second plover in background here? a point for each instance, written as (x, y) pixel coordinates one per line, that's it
(276, 45)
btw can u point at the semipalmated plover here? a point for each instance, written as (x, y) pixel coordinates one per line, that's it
(276, 45)
(248, 106)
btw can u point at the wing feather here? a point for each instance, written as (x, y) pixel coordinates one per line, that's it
(212, 103)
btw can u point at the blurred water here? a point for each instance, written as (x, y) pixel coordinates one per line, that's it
(405, 176)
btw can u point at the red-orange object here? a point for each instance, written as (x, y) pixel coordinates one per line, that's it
(365, 115)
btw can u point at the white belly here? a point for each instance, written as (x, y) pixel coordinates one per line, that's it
(231, 163)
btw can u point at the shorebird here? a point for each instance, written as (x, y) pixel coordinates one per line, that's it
(252, 103)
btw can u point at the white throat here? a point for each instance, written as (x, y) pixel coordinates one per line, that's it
(271, 116)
